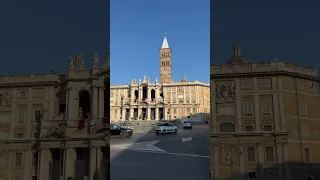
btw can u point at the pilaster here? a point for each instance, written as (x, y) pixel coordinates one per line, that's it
(157, 113)
(71, 156)
(149, 113)
(44, 164)
(101, 102)
(131, 113)
(95, 156)
(95, 102)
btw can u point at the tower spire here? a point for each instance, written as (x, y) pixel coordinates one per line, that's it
(165, 44)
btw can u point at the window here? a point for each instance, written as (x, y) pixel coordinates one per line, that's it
(247, 109)
(303, 110)
(22, 115)
(267, 127)
(271, 175)
(252, 175)
(194, 110)
(22, 93)
(266, 108)
(34, 159)
(19, 135)
(305, 131)
(265, 83)
(269, 154)
(249, 128)
(227, 127)
(307, 154)
(37, 115)
(315, 133)
(251, 155)
(18, 160)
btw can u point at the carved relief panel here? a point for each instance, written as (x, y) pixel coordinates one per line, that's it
(5, 99)
(225, 91)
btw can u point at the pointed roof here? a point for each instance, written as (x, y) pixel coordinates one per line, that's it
(165, 42)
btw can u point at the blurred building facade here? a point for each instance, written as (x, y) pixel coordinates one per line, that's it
(152, 100)
(51, 124)
(265, 120)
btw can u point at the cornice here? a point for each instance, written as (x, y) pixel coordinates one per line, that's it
(263, 74)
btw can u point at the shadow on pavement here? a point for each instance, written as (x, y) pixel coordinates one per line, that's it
(147, 156)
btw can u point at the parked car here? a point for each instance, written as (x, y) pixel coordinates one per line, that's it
(165, 127)
(116, 130)
(187, 125)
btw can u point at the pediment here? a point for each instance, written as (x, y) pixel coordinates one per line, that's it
(54, 136)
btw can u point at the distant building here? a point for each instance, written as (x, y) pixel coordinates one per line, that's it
(146, 100)
(265, 120)
(47, 119)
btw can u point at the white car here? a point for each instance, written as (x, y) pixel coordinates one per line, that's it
(165, 127)
(187, 124)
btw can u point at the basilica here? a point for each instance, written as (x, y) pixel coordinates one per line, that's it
(144, 99)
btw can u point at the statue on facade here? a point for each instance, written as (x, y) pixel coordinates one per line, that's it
(95, 60)
(156, 80)
(71, 63)
(139, 81)
(134, 81)
(131, 81)
(80, 59)
(148, 80)
(5, 99)
(144, 78)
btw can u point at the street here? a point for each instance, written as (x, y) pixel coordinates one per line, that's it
(147, 156)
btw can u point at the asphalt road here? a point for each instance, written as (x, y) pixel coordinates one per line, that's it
(147, 156)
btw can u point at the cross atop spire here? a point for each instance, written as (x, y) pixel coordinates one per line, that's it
(165, 42)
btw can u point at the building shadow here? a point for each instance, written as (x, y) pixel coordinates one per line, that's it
(282, 171)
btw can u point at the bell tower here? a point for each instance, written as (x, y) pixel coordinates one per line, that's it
(165, 62)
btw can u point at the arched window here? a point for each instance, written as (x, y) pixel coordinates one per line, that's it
(166, 54)
(227, 127)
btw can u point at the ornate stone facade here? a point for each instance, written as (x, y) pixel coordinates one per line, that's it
(264, 120)
(40, 116)
(146, 100)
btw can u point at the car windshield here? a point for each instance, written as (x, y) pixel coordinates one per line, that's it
(114, 126)
(160, 124)
(186, 122)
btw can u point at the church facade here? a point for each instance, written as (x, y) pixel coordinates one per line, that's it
(155, 100)
(47, 119)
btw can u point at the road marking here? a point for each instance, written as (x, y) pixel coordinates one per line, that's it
(165, 152)
(141, 146)
(187, 139)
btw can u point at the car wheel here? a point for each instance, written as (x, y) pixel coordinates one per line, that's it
(124, 135)
(175, 131)
(164, 131)
(157, 132)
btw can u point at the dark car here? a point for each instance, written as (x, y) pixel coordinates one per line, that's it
(116, 130)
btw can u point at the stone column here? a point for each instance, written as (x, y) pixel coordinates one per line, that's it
(139, 113)
(26, 160)
(149, 93)
(123, 114)
(279, 159)
(101, 102)
(157, 113)
(94, 102)
(44, 164)
(216, 158)
(131, 113)
(10, 164)
(131, 94)
(242, 159)
(165, 112)
(157, 93)
(140, 93)
(95, 156)
(260, 159)
(149, 114)
(71, 156)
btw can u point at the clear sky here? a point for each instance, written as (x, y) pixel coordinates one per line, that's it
(137, 30)
(38, 36)
(265, 30)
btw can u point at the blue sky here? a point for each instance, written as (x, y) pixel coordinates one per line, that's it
(137, 30)
(265, 30)
(38, 36)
